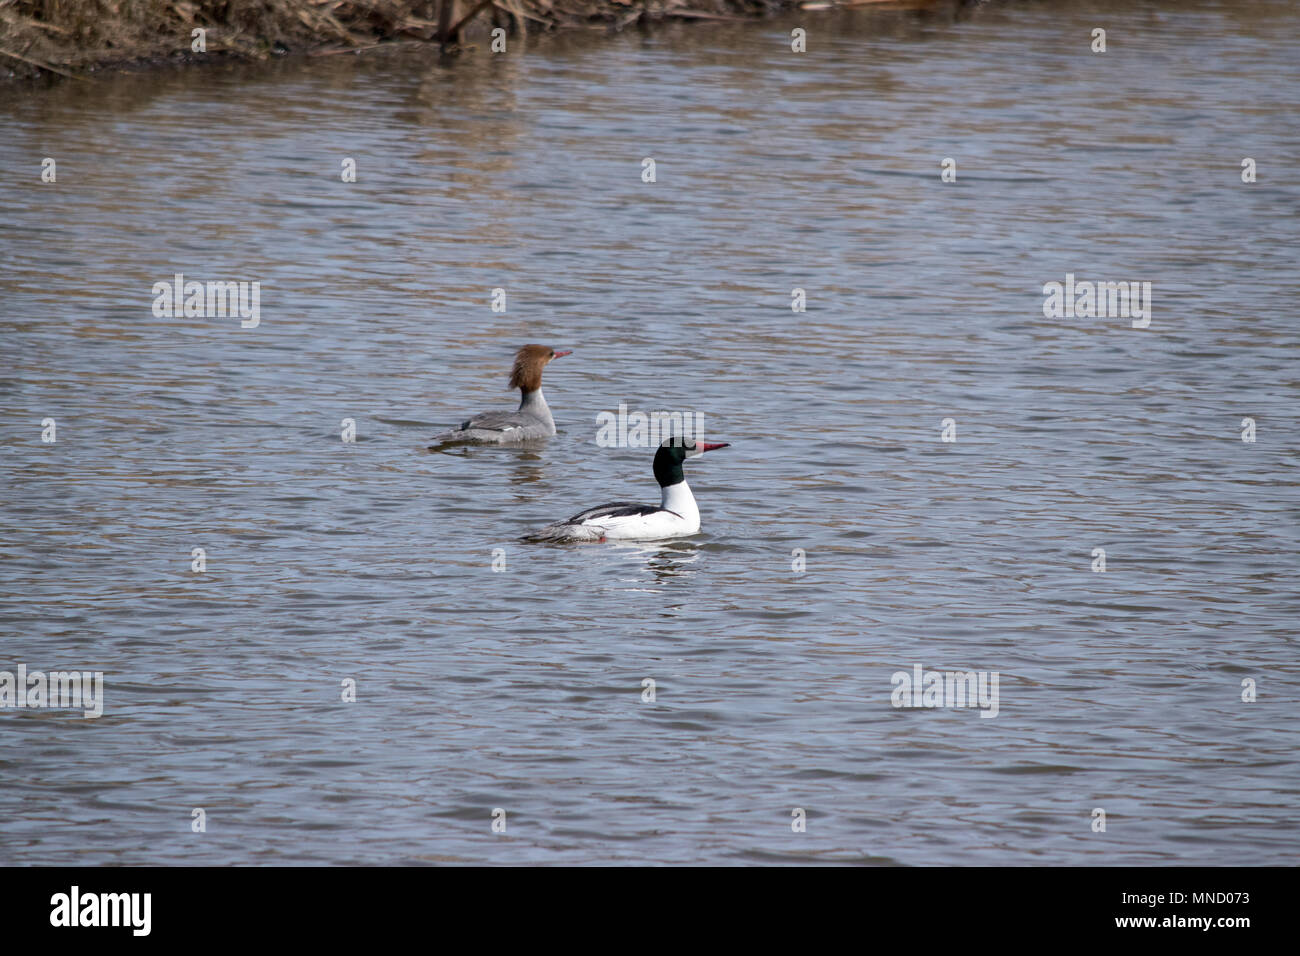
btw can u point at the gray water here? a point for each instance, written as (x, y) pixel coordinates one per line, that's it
(521, 689)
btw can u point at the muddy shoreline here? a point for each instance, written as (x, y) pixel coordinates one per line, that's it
(74, 39)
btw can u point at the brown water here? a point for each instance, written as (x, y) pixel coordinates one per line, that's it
(521, 689)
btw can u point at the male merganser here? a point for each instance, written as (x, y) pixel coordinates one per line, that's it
(531, 420)
(676, 515)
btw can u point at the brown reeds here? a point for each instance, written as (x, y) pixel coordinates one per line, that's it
(66, 37)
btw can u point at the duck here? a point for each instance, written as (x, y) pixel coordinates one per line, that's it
(532, 419)
(675, 516)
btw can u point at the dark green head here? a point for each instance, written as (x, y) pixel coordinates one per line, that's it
(672, 452)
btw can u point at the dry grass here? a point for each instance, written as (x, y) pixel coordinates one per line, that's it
(68, 36)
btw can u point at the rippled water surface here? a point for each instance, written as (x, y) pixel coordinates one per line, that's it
(521, 689)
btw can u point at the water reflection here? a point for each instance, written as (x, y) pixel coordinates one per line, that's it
(663, 559)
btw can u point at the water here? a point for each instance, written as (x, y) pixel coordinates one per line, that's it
(521, 689)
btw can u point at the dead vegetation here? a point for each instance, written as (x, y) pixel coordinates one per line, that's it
(71, 36)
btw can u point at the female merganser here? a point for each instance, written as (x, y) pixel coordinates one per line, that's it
(531, 420)
(676, 515)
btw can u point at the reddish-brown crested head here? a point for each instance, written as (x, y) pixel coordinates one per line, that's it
(529, 362)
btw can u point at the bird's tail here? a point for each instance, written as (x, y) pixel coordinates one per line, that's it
(562, 532)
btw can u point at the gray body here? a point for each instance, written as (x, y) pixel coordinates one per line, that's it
(531, 420)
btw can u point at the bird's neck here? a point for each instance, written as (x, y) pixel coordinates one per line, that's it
(678, 499)
(534, 403)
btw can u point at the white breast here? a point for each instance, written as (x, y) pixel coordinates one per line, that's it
(682, 517)
(660, 524)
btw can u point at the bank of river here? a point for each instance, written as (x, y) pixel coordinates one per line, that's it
(67, 37)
